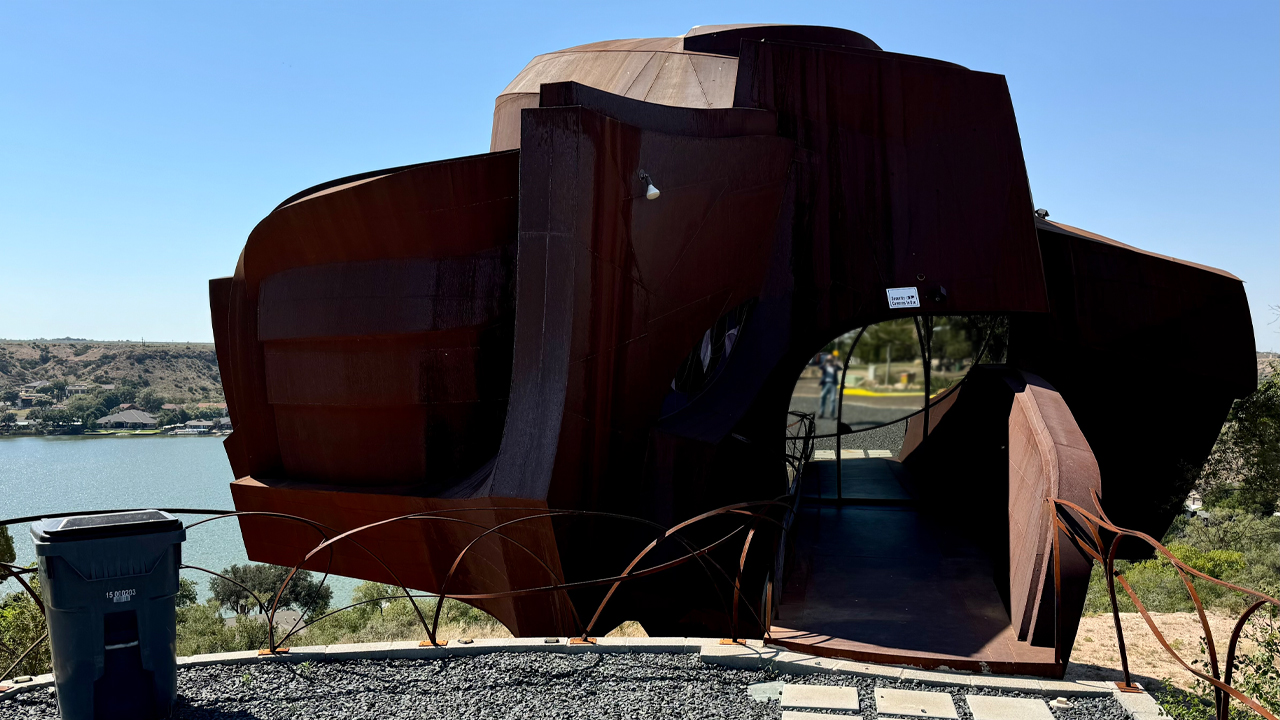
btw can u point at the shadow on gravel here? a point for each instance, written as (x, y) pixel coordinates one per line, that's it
(1084, 671)
(211, 712)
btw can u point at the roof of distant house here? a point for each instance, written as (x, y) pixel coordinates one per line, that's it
(199, 423)
(222, 405)
(79, 386)
(128, 416)
(36, 384)
(170, 406)
(107, 387)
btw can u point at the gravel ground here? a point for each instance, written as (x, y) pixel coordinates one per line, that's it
(531, 686)
(858, 417)
(888, 438)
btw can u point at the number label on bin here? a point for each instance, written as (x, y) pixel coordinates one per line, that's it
(121, 595)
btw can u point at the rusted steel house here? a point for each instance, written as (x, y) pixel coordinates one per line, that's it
(525, 337)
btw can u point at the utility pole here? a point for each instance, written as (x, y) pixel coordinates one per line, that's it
(888, 360)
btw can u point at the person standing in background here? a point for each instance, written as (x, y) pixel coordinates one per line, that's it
(829, 382)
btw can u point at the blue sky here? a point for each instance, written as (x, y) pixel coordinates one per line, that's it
(140, 142)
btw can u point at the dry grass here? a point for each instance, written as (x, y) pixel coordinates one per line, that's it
(1096, 655)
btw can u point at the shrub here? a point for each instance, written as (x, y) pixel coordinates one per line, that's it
(1230, 544)
(1256, 675)
(383, 617)
(202, 629)
(21, 624)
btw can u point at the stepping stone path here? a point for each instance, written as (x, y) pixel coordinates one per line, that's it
(826, 702)
(987, 707)
(915, 704)
(819, 698)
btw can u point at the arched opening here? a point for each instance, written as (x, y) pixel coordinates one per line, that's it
(877, 377)
(895, 550)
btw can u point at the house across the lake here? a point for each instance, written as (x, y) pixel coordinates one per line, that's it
(134, 419)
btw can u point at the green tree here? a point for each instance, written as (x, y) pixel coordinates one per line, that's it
(54, 417)
(1244, 468)
(86, 408)
(124, 392)
(150, 400)
(9, 395)
(891, 337)
(951, 345)
(303, 593)
(8, 418)
(187, 595)
(207, 413)
(7, 554)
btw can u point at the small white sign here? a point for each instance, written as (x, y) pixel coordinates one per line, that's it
(903, 298)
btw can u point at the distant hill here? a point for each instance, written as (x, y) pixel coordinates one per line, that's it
(181, 371)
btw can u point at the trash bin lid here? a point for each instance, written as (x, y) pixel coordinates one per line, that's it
(85, 527)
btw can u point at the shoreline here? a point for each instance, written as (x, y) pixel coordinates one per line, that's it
(115, 434)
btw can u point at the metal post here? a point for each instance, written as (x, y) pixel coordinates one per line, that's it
(925, 336)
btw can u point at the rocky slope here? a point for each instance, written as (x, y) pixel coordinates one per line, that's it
(187, 370)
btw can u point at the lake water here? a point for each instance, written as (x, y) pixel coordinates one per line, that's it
(65, 474)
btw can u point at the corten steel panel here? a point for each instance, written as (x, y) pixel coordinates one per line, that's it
(1112, 307)
(389, 295)
(727, 39)
(696, 70)
(367, 340)
(998, 446)
(914, 177)
(1048, 458)
(614, 290)
(494, 564)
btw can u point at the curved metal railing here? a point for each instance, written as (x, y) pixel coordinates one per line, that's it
(1099, 538)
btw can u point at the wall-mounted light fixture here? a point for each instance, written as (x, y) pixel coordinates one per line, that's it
(650, 192)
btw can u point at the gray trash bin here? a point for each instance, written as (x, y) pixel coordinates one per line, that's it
(110, 583)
